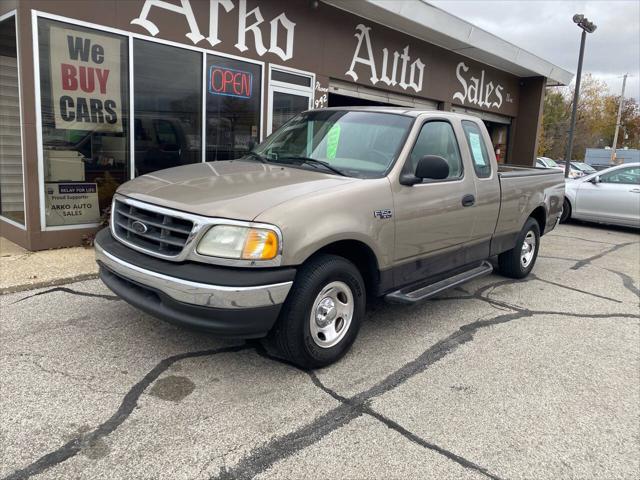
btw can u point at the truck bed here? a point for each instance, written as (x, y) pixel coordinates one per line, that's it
(521, 190)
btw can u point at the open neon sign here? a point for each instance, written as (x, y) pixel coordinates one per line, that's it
(230, 82)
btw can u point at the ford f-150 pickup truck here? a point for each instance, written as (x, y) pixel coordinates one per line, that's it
(338, 206)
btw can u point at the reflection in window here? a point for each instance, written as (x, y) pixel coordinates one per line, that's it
(84, 96)
(627, 176)
(168, 106)
(233, 107)
(285, 106)
(11, 182)
(437, 138)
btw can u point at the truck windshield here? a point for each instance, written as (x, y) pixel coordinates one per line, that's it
(354, 143)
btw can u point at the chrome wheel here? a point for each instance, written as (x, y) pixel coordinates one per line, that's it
(331, 314)
(528, 249)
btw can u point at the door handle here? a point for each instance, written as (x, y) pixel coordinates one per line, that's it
(635, 190)
(468, 200)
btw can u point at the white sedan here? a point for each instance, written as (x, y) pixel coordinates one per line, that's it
(609, 196)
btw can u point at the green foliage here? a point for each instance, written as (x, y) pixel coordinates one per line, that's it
(595, 120)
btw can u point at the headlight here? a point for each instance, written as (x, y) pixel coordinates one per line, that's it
(230, 241)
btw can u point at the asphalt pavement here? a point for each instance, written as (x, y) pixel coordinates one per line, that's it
(503, 379)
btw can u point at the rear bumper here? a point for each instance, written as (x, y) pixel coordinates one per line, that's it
(235, 311)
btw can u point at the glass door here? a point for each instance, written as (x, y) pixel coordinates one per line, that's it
(289, 94)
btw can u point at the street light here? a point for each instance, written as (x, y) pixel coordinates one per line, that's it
(587, 27)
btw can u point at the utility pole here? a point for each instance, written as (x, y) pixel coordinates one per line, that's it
(615, 135)
(587, 27)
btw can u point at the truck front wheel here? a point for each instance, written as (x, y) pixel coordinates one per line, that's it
(322, 314)
(518, 262)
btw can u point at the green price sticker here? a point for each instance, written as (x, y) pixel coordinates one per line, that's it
(333, 138)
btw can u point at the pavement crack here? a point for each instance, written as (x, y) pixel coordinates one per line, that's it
(581, 238)
(627, 282)
(582, 263)
(535, 277)
(393, 425)
(72, 292)
(129, 402)
(54, 371)
(428, 445)
(279, 448)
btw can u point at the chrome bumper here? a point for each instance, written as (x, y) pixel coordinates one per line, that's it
(201, 294)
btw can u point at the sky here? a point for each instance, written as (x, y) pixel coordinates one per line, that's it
(546, 29)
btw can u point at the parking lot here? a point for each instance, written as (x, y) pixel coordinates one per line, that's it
(504, 379)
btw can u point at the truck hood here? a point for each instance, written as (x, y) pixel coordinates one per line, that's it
(234, 189)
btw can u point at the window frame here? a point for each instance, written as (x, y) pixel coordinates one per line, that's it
(22, 226)
(406, 168)
(36, 15)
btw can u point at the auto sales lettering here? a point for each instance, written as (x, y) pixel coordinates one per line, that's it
(85, 81)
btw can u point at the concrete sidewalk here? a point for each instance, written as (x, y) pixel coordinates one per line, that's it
(24, 270)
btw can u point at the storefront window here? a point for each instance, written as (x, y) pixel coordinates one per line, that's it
(84, 97)
(11, 181)
(233, 107)
(168, 106)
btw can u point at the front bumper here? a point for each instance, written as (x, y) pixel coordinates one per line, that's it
(247, 311)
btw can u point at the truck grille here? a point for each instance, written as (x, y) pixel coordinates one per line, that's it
(155, 232)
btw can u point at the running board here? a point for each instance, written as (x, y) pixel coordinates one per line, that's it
(414, 294)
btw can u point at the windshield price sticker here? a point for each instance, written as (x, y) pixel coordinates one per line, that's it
(476, 149)
(333, 138)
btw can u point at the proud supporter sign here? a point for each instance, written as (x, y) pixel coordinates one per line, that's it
(85, 81)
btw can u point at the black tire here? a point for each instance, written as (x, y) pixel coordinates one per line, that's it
(510, 263)
(291, 338)
(566, 212)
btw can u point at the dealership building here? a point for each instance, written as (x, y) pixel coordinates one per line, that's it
(96, 92)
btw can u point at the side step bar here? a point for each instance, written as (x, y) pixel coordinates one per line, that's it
(417, 293)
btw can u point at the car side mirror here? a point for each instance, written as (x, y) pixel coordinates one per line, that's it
(595, 180)
(430, 167)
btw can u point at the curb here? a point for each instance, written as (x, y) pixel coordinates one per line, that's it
(49, 283)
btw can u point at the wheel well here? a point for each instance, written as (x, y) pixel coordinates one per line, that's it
(361, 255)
(540, 216)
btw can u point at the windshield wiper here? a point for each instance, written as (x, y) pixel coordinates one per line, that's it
(313, 162)
(257, 156)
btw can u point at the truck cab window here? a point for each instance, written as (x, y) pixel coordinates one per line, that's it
(478, 149)
(437, 138)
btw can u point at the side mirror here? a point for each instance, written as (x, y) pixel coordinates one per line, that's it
(595, 180)
(431, 167)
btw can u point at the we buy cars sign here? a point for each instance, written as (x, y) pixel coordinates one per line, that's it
(85, 81)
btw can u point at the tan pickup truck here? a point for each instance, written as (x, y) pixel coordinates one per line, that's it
(336, 207)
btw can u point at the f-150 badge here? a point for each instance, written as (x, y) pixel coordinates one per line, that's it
(381, 214)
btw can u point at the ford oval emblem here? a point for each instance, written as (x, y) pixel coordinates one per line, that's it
(139, 227)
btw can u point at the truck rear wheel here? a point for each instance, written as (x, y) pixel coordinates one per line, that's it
(519, 261)
(322, 314)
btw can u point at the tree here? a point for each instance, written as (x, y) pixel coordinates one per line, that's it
(595, 120)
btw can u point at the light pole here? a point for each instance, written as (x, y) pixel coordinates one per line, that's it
(587, 27)
(615, 135)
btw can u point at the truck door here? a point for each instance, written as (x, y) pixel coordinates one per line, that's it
(487, 205)
(432, 225)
